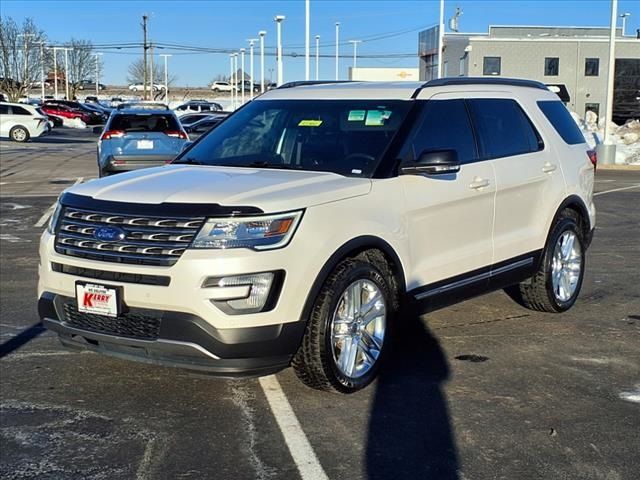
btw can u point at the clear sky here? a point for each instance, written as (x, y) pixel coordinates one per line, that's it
(386, 26)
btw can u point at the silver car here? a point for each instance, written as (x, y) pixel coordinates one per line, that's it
(136, 138)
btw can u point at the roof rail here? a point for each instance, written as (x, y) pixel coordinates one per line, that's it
(143, 105)
(302, 83)
(516, 82)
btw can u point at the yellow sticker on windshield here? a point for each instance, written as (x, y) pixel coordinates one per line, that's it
(310, 123)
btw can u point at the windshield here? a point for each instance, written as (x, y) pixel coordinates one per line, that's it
(347, 137)
(144, 122)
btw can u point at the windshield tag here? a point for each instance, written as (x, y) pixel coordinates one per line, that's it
(356, 115)
(310, 123)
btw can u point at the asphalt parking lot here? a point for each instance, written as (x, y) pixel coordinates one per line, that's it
(481, 390)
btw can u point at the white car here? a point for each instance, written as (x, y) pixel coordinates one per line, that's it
(221, 87)
(138, 87)
(293, 232)
(20, 121)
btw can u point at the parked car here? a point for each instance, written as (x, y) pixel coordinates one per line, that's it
(135, 138)
(203, 125)
(138, 87)
(189, 118)
(221, 87)
(248, 86)
(21, 122)
(198, 106)
(71, 109)
(294, 232)
(90, 85)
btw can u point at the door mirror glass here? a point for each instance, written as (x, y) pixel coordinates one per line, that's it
(433, 162)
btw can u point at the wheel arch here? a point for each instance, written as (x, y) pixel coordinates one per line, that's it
(352, 249)
(575, 203)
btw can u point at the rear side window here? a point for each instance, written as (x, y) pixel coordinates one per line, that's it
(445, 125)
(144, 123)
(560, 118)
(503, 128)
(4, 109)
(19, 110)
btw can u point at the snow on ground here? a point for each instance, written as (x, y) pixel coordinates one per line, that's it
(626, 137)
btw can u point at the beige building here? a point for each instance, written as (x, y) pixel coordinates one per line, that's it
(385, 74)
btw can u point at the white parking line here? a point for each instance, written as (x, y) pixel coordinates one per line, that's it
(617, 190)
(45, 216)
(299, 447)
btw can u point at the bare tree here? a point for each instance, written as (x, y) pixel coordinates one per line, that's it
(135, 73)
(82, 63)
(20, 56)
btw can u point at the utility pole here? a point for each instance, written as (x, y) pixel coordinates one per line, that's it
(279, 19)
(337, 47)
(261, 34)
(355, 55)
(151, 80)
(144, 32)
(317, 57)
(166, 77)
(251, 43)
(307, 21)
(97, 82)
(242, 50)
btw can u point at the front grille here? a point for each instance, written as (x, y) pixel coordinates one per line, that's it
(141, 325)
(121, 277)
(148, 240)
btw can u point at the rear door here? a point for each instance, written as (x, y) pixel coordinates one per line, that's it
(529, 180)
(450, 217)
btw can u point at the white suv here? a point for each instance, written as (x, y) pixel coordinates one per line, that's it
(293, 232)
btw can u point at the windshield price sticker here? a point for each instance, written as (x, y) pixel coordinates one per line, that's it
(97, 299)
(357, 115)
(310, 123)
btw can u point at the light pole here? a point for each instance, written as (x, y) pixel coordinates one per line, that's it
(355, 55)
(251, 43)
(337, 47)
(261, 34)
(278, 19)
(97, 55)
(440, 38)
(242, 79)
(231, 77)
(624, 16)
(612, 61)
(55, 71)
(317, 57)
(235, 80)
(307, 21)
(66, 71)
(166, 76)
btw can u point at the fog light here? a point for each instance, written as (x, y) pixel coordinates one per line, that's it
(236, 294)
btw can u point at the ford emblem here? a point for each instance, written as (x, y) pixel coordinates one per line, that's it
(109, 234)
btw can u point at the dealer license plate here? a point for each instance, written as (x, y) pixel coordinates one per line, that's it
(97, 299)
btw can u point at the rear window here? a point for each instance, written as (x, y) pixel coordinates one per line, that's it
(503, 128)
(140, 122)
(561, 119)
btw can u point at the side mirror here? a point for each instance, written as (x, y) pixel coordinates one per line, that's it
(433, 162)
(97, 130)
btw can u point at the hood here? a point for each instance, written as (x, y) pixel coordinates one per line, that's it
(268, 189)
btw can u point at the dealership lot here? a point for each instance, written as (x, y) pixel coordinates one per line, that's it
(484, 389)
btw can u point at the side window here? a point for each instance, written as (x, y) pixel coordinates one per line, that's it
(591, 67)
(19, 110)
(503, 128)
(4, 109)
(562, 122)
(444, 125)
(491, 66)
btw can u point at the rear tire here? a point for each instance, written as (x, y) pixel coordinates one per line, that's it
(347, 334)
(555, 286)
(19, 134)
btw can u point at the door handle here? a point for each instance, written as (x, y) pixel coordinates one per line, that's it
(549, 167)
(479, 183)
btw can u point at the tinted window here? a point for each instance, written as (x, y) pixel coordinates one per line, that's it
(559, 117)
(19, 110)
(4, 109)
(491, 66)
(152, 122)
(591, 67)
(552, 66)
(444, 125)
(503, 128)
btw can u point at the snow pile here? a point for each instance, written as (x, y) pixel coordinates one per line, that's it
(625, 137)
(73, 123)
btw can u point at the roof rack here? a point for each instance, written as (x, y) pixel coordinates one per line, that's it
(516, 82)
(302, 83)
(143, 106)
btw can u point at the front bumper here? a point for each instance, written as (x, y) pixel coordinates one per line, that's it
(183, 340)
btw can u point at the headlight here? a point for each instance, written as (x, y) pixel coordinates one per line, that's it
(53, 221)
(259, 233)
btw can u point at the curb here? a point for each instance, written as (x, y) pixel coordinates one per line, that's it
(635, 168)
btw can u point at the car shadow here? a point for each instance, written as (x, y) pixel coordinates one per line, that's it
(21, 339)
(410, 434)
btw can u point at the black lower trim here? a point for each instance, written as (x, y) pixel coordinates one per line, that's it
(185, 341)
(477, 282)
(160, 280)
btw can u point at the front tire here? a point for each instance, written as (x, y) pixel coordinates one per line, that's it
(19, 134)
(555, 286)
(348, 329)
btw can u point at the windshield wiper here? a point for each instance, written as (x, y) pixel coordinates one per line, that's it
(189, 161)
(268, 165)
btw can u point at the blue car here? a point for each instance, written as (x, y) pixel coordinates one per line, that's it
(139, 138)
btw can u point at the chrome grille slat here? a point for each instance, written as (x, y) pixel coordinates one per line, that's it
(149, 240)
